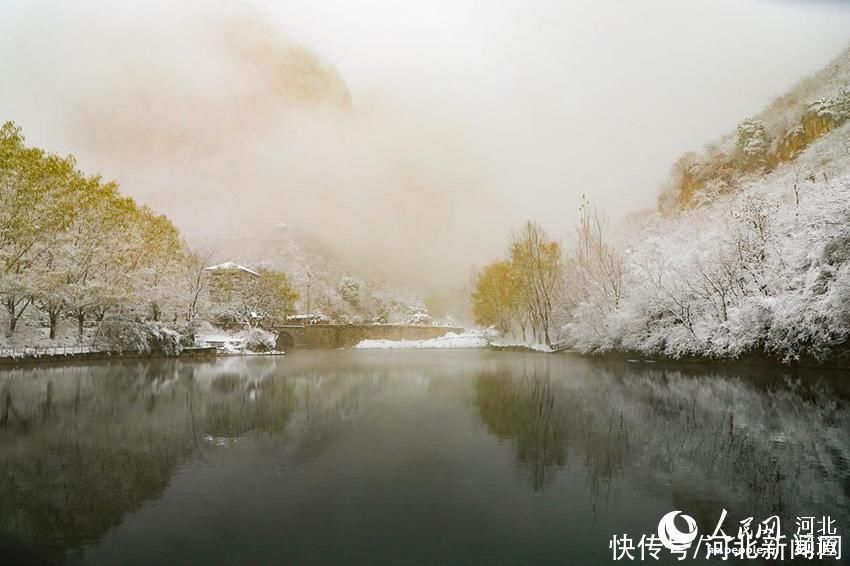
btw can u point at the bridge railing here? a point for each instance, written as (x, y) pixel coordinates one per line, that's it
(37, 351)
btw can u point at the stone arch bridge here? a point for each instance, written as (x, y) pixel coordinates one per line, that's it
(347, 335)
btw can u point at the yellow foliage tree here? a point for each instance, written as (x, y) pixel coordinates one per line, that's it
(496, 298)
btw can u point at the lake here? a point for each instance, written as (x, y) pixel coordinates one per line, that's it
(404, 457)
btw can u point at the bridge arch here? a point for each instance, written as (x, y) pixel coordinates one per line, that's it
(285, 341)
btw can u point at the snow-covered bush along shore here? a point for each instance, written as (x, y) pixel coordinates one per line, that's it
(259, 340)
(122, 335)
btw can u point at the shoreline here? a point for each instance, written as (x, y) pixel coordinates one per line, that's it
(747, 361)
(750, 360)
(8, 361)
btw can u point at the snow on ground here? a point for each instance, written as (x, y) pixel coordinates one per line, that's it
(32, 334)
(236, 341)
(225, 342)
(452, 340)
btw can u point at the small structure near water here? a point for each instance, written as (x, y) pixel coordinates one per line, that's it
(226, 277)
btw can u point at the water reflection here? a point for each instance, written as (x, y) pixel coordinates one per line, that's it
(755, 443)
(523, 410)
(83, 449)
(83, 446)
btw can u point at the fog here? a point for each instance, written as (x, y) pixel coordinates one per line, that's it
(412, 136)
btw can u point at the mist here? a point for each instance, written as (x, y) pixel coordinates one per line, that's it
(412, 137)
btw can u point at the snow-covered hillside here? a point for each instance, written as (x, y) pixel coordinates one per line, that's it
(750, 250)
(765, 268)
(814, 107)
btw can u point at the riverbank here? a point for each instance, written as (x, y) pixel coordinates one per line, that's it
(755, 359)
(750, 360)
(34, 357)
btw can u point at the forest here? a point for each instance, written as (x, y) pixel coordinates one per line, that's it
(73, 249)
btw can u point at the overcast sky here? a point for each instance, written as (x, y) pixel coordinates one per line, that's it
(469, 116)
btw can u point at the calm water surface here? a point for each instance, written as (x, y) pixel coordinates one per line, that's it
(387, 457)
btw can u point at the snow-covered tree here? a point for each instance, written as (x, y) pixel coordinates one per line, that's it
(349, 290)
(263, 300)
(752, 144)
(38, 194)
(72, 247)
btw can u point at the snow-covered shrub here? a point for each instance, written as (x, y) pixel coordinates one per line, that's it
(163, 340)
(815, 318)
(419, 318)
(259, 340)
(124, 335)
(187, 336)
(417, 313)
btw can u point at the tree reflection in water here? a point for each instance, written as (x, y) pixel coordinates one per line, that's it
(83, 447)
(523, 410)
(751, 443)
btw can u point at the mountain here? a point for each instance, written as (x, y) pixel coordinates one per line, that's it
(815, 106)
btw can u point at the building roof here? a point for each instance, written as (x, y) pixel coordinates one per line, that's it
(231, 266)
